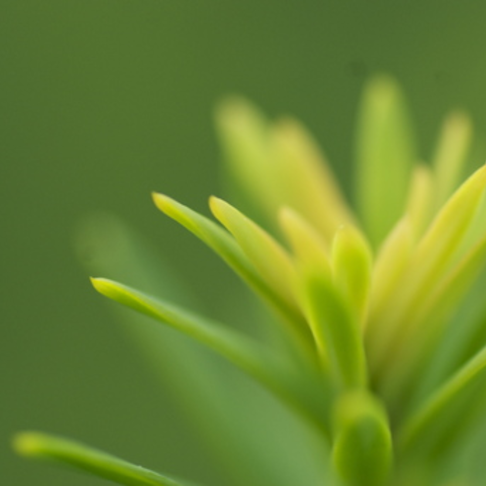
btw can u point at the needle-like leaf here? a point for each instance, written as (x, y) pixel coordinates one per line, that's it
(227, 248)
(261, 363)
(234, 346)
(87, 459)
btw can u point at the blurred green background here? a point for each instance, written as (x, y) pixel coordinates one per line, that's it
(103, 101)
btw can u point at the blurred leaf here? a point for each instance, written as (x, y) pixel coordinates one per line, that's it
(335, 329)
(362, 452)
(87, 459)
(304, 180)
(385, 152)
(437, 422)
(451, 155)
(307, 245)
(351, 263)
(428, 266)
(420, 199)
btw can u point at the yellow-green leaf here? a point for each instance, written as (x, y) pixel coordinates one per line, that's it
(385, 153)
(305, 181)
(267, 255)
(351, 264)
(48, 447)
(228, 249)
(450, 155)
(336, 329)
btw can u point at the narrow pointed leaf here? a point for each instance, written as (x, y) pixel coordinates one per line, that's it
(258, 361)
(234, 346)
(362, 452)
(335, 328)
(384, 154)
(351, 263)
(87, 459)
(450, 156)
(269, 257)
(226, 247)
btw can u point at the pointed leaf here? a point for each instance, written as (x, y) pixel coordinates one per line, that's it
(87, 459)
(362, 452)
(234, 346)
(385, 153)
(224, 245)
(259, 362)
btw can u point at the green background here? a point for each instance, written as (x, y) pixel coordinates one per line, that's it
(103, 101)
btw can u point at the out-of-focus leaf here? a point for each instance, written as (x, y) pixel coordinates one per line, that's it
(304, 179)
(335, 328)
(390, 263)
(351, 263)
(429, 265)
(87, 459)
(243, 132)
(362, 452)
(307, 245)
(430, 321)
(446, 413)
(420, 199)
(385, 152)
(450, 156)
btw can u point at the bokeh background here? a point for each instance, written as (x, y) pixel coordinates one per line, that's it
(103, 101)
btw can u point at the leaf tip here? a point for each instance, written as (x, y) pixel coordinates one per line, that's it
(27, 443)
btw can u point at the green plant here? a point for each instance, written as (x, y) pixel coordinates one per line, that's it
(376, 340)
